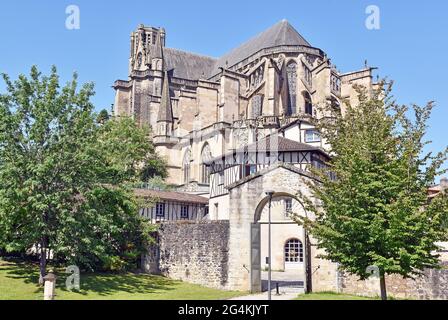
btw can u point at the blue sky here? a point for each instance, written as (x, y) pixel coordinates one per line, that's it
(409, 47)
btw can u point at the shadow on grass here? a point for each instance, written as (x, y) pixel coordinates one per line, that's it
(102, 284)
(105, 284)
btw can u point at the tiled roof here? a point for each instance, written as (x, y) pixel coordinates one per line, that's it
(171, 196)
(274, 143)
(270, 144)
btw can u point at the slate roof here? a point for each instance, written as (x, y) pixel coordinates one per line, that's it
(264, 145)
(188, 65)
(284, 144)
(171, 196)
(192, 66)
(282, 33)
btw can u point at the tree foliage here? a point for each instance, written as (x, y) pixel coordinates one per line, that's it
(372, 207)
(64, 176)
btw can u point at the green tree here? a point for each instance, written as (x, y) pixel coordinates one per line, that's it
(103, 116)
(63, 176)
(372, 207)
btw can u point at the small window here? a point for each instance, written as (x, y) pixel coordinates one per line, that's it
(160, 209)
(288, 206)
(294, 251)
(184, 212)
(312, 136)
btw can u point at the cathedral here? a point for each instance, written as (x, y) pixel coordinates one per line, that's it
(236, 132)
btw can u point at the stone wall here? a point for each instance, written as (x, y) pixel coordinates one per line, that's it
(433, 285)
(196, 252)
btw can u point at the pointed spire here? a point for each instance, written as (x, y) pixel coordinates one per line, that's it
(165, 110)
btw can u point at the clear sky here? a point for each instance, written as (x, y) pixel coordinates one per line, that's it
(409, 47)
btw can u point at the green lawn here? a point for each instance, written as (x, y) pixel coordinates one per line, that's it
(18, 281)
(330, 296)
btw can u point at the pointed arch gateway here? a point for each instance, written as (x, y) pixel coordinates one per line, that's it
(295, 250)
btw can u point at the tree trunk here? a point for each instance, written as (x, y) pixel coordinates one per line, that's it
(43, 261)
(383, 286)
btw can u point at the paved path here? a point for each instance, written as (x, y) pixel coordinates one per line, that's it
(290, 286)
(264, 296)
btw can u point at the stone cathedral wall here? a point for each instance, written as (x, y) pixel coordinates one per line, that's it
(432, 285)
(195, 252)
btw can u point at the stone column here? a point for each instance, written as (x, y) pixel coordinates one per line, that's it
(49, 286)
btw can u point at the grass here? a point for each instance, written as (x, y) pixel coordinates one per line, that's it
(18, 281)
(331, 296)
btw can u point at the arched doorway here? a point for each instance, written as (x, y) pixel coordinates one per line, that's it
(290, 245)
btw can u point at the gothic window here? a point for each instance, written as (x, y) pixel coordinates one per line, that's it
(186, 166)
(308, 103)
(308, 75)
(206, 156)
(291, 72)
(294, 251)
(257, 106)
(139, 60)
(335, 83)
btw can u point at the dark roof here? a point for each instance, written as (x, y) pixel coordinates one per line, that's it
(187, 65)
(192, 66)
(165, 110)
(281, 145)
(282, 33)
(171, 196)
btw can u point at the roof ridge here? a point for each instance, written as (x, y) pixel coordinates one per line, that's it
(193, 53)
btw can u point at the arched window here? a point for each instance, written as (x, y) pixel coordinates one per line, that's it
(257, 106)
(206, 156)
(293, 251)
(139, 60)
(291, 72)
(186, 166)
(308, 103)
